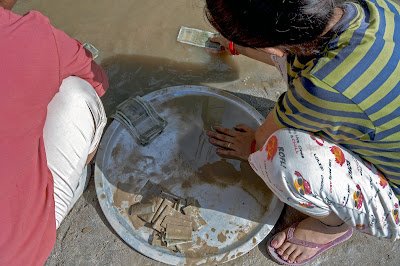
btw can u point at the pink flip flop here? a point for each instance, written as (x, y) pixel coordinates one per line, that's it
(321, 247)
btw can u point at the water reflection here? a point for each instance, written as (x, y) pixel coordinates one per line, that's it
(132, 75)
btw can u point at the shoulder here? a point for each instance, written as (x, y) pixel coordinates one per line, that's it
(32, 25)
(308, 90)
(365, 41)
(309, 87)
(36, 19)
(9, 17)
(37, 16)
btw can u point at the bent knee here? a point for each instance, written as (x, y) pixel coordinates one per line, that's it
(281, 163)
(75, 118)
(76, 94)
(77, 89)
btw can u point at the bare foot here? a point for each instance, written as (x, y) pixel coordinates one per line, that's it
(310, 229)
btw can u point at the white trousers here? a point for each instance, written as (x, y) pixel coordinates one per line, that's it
(73, 129)
(318, 177)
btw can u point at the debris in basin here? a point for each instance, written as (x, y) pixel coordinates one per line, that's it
(165, 203)
(194, 213)
(178, 232)
(148, 217)
(145, 208)
(156, 240)
(172, 218)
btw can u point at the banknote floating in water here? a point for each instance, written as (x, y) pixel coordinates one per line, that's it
(198, 38)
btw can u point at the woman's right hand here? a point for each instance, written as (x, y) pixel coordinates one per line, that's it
(218, 38)
(221, 41)
(232, 142)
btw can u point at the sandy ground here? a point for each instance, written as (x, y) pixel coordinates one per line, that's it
(139, 51)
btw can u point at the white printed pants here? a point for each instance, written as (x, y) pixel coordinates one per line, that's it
(318, 178)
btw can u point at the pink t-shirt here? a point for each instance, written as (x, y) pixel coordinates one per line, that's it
(34, 59)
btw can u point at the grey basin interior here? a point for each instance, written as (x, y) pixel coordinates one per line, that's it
(239, 208)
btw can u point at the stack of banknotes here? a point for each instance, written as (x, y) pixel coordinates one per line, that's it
(140, 119)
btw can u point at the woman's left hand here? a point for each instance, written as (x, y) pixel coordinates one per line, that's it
(233, 143)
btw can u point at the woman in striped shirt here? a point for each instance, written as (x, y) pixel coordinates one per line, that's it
(331, 146)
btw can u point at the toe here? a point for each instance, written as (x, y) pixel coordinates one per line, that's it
(281, 250)
(288, 252)
(293, 257)
(300, 258)
(278, 240)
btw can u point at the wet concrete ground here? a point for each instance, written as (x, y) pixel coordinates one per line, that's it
(138, 49)
(86, 238)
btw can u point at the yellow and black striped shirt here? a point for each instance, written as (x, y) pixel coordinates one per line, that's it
(351, 92)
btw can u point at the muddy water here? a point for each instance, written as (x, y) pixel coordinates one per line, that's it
(137, 43)
(191, 167)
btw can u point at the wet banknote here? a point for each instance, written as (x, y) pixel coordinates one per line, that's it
(197, 37)
(92, 49)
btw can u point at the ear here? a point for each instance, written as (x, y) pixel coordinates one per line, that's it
(273, 50)
(7, 4)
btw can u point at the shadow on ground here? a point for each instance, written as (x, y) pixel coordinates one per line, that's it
(137, 75)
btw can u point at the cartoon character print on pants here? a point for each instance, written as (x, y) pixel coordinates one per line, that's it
(358, 197)
(382, 180)
(340, 159)
(395, 213)
(302, 187)
(272, 147)
(339, 155)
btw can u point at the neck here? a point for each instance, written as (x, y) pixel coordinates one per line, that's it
(337, 16)
(312, 48)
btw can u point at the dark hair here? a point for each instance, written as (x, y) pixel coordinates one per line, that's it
(267, 23)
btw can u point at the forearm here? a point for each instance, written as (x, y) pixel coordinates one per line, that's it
(268, 127)
(255, 54)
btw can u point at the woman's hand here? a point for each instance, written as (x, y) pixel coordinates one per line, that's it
(221, 41)
(233, 143)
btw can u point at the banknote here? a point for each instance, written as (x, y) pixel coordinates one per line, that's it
(197, 37)
(93, 50)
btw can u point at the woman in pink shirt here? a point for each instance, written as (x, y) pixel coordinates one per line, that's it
(51, 123)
